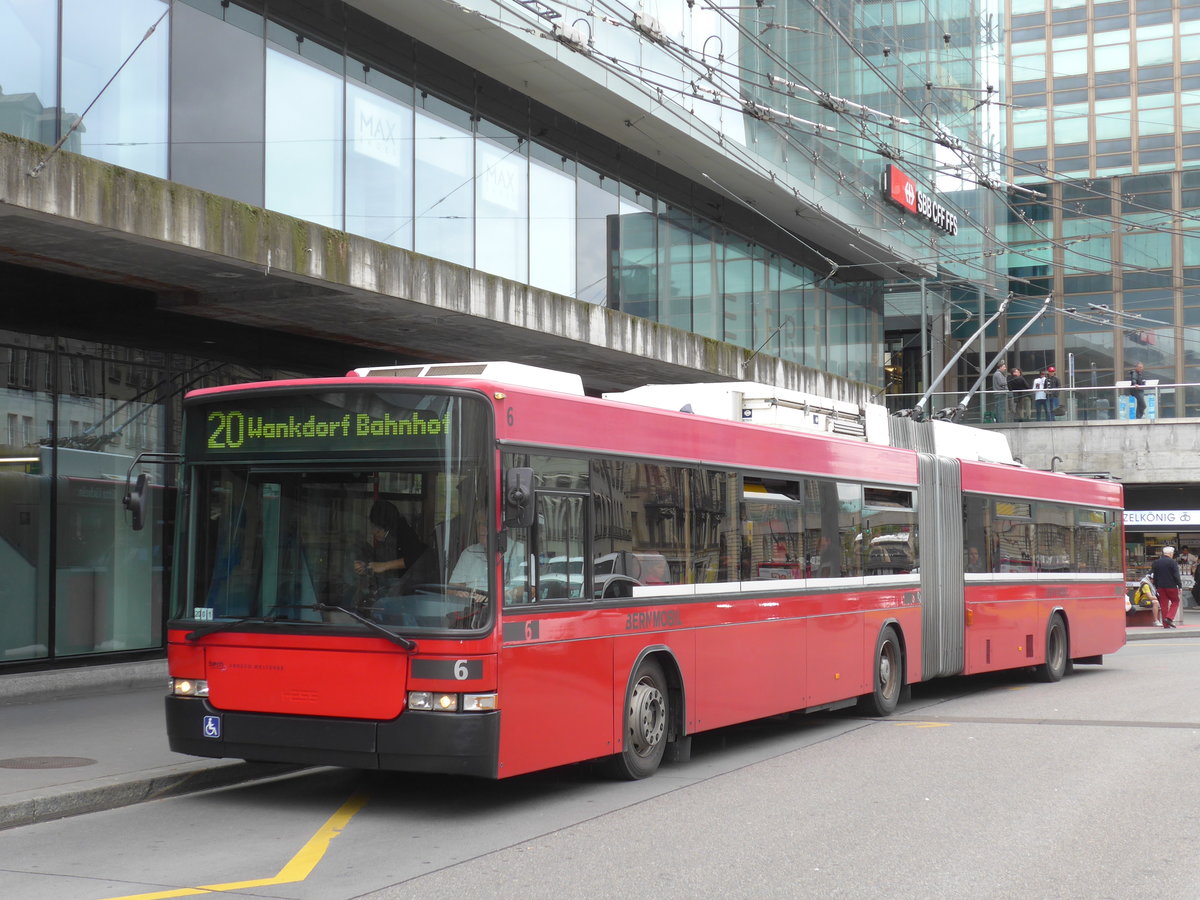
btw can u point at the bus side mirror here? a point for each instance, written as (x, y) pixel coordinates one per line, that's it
(135, 502)
(518, 497)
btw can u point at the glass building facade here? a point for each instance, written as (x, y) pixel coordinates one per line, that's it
(1105, 122)
(313, 109)
(78, 581)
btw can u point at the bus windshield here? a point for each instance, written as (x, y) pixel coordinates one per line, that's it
(399, 537)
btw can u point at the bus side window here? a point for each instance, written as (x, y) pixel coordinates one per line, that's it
(516, 573)
(562, 570)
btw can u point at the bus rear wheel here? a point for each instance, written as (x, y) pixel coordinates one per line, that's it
(645, 717)
(1057, 658)
(888, 677)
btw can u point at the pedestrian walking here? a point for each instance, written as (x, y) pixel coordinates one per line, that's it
(1167, 581)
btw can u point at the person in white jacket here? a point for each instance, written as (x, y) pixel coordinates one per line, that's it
(1041, 401)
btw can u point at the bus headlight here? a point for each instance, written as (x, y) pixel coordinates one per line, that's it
(189, 687)
(427, 700)
(434, 702)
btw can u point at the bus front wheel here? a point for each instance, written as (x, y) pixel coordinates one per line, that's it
(645, 717)
(888, 676)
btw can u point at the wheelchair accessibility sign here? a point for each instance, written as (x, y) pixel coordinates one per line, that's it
(212, 726)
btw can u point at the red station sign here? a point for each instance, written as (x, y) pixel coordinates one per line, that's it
(900, 189)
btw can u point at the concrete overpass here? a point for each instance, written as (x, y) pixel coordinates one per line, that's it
(213, 258)
(1136, 452)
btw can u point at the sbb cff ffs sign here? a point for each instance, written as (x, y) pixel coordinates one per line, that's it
(902, 190)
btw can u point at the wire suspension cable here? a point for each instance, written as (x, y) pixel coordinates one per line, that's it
(961, 408)
(919, 410)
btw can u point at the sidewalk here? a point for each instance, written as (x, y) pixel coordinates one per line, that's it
(1187, 624)
(88, 739)
(1153, 632)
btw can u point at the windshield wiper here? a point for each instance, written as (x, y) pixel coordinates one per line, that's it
(404, 642)
(225, 626)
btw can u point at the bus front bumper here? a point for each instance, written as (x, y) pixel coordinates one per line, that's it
(415, 741)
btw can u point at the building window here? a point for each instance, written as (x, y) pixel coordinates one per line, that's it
(445, 182)
(501, 202)
(303, 139)
(127, 126)
(552, 215)
(379, 158)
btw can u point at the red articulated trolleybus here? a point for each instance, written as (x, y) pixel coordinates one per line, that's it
(477, 569)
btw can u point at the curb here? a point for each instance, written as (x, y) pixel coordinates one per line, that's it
(1158, 634)
(116, 791)
(34, 687)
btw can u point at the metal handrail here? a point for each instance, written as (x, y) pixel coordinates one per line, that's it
(1097, 403)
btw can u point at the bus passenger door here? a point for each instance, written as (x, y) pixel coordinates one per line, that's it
(555, 663)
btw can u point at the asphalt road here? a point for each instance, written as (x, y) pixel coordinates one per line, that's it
(978, 788)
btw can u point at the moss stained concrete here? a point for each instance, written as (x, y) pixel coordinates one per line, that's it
(286, 273)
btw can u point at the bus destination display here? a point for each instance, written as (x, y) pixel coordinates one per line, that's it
(249, 427)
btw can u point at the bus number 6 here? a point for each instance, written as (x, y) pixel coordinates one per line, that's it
(460, 670)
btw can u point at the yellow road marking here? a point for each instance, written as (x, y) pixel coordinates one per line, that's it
(922, 724)
(298, 868)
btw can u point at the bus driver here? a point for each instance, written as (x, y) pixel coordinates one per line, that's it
(393, 549)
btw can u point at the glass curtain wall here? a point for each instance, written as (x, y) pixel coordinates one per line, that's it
(298, 122)
(634, 235)
(108, 580)
(28, 71)
(304, 130)
(216, 145)
(552, 217)
(379, 155)
(78, 580)
(501, 203)
(445, 182)
(25, 496)
(595, 230)
(127, 126)
(1104, 103)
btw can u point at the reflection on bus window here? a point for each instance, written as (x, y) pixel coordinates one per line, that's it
(559, 536)
(1020, 536)
(658, 524)
(889, 544)
(772, 529)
